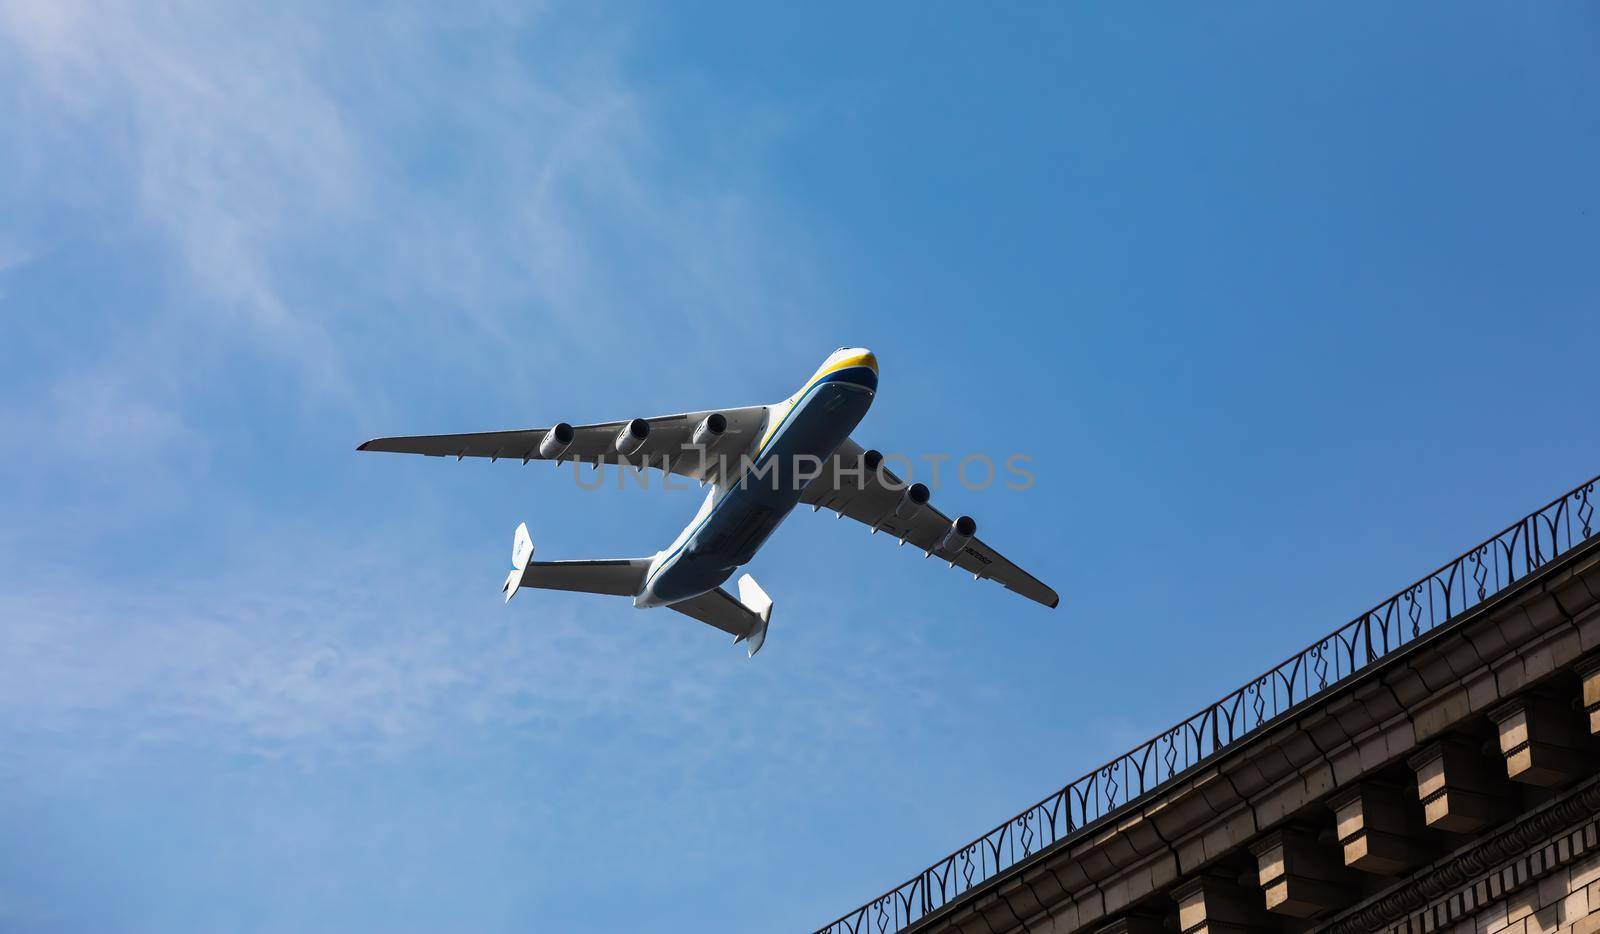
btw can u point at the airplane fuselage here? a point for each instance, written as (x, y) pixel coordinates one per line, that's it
(742, 510)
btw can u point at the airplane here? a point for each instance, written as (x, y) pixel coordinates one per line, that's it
(761, 461)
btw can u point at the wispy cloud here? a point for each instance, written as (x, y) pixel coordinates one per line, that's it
(469, 185)
(301, 658)
(466, 192)
(222, 136)
(12, 255)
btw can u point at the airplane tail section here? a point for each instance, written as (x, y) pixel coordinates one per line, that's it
(620, 577)
(744, 617)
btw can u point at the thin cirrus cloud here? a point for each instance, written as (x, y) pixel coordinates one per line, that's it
(463, 188)
(300, 659)
(254, 152)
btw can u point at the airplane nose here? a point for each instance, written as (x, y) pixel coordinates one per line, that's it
(858, 356)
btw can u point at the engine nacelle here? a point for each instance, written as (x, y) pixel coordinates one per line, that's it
(911, 502)
(556, 441)
(871, 460)
(709, 431)
(631, 437)
(961, 532)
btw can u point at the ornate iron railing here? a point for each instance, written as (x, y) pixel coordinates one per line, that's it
(1480, 573)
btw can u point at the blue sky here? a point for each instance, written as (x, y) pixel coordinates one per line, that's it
(1288, 306)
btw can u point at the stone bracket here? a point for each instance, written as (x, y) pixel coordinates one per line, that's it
(1458, 791)
(1541, 741)
(1377, 828)
(1213, 903)
(1589, 672)
(1298, 874)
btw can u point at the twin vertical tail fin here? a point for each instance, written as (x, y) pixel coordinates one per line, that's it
(521, 553)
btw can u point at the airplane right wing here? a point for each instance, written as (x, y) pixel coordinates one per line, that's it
(682, 444)
(872, 495)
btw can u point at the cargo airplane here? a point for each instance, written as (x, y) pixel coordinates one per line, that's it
(760, 462)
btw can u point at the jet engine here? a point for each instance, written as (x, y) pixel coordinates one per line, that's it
(709, 431)
(631, 437)
(556, 441)
(871, 463)
(911, 502)
(961, 532)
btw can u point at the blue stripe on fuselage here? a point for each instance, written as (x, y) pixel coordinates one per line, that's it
(751, 509)
(863, 376)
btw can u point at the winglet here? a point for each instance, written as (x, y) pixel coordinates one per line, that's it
(756, 601)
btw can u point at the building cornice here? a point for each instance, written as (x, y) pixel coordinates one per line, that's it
(1487, 870)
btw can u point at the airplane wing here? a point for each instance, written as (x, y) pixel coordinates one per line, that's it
(871, 498)
(667, 442)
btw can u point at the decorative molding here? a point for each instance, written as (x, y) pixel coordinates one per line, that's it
(1457, 874)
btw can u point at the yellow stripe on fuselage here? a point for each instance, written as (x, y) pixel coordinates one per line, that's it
(866, 358)
(775, 417)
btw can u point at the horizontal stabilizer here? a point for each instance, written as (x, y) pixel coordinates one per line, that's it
(618, 577)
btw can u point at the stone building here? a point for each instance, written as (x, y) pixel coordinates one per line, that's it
(1429, 766)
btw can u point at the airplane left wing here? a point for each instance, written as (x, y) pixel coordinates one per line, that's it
(872, 497)
(666, 442)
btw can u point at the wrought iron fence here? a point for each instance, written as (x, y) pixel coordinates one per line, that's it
(1480, 573)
